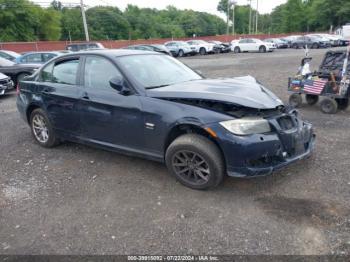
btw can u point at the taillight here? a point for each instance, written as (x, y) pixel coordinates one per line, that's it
(17, 89)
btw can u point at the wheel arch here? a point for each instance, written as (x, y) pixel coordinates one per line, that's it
(30, 109)
(190, 128)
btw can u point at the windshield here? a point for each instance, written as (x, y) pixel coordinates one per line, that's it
(152, 71)
(182, 43)
(11, 53)
(5, 62)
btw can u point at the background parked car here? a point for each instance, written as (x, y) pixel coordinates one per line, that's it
(156, 48)
(278, 42)
(84, 46)
(221, 47)
(252, 45)
(180, 48)
(311, 42)
(6, 84)
(9, 55)
(290, 39)
(202, 47)
(36, 57)
(16, 71)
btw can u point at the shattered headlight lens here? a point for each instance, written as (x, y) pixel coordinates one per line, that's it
(247, 126)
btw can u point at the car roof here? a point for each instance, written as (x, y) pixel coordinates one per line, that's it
(42, 52)
(112, 53)
(10, 52)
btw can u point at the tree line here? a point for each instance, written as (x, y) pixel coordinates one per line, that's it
(22, 20)
(293, 16)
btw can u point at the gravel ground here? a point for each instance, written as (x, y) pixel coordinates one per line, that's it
(80, 200)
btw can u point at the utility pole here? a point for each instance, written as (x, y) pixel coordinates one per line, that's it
(250, 15)
(228, 18)
(84, 21)
(233, 2)
(257, 16)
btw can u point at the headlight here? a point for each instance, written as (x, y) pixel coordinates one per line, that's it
(247, 126)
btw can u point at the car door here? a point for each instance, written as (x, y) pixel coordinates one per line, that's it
(243, 45)
(253, 46)
(108, 117)
(60, 94)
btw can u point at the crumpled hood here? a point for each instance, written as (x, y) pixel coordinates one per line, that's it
(2, 76)
(244, 91)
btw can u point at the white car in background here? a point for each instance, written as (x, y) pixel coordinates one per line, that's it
(252, 45)
(202, 47)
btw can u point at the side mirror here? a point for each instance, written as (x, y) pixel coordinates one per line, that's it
(117, 83)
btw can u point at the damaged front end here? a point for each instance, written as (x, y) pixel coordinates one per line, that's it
(259, 133)
(279, 137)
(286, 139)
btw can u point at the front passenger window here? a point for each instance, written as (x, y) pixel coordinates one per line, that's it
(98, 72)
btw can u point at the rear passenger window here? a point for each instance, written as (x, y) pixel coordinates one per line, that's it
(98, 72)
(46, 73)
(66, 72)
(33, 58)
(47, 57)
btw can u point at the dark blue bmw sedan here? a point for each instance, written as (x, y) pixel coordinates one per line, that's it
(151, 105)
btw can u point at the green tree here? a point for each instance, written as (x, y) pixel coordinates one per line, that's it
(19, 20)
(72, 25)
(107, 23)
(50, 24)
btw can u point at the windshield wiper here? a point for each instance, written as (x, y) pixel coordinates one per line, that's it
(152, 87)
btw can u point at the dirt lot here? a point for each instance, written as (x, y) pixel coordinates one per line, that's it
(79, 200)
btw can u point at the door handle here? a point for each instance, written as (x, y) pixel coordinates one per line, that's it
(85, 97)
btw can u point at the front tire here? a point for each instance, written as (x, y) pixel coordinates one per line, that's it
(181, 53)
(202, 51)
(237, 50)
(262, 49)
(42, 129)
(329, 106)
(195, 161)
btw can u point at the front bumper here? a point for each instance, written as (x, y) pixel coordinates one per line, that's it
(261, 154)
(6, 86)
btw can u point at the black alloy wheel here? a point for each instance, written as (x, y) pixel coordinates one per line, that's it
(195, 161)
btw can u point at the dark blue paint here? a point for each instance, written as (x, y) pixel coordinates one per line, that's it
(109, 120)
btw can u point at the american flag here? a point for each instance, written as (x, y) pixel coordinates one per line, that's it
(314, 86)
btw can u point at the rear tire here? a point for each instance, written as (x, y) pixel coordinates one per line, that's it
(315, 46)
(311, 99)
(42, 130)
(295, 100)
(329, 106)
(183, 158)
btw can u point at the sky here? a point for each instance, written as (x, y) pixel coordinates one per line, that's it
(265, 6)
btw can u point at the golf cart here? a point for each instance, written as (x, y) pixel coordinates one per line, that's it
(331, 82)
